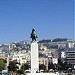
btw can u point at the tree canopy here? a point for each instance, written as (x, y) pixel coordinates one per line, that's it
(12, 66)
(42, 67)
(25, 66)
(2, 64)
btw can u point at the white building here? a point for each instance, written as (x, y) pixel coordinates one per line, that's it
(21, 57)
(70, 56)
(49, 54)
(63, 54)
(70, 44)
(55, 60)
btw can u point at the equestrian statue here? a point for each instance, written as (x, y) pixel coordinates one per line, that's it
(33, 35)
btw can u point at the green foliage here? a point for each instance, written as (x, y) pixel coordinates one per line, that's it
(25, 66)
(20, 71)
(2, 64)
(12, 66)
(51, 66)
(42, 66)
(63, 65)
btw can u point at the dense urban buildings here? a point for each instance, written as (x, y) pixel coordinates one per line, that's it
(50, 52)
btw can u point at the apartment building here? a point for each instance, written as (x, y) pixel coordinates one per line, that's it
(70, 56)
(21, 57)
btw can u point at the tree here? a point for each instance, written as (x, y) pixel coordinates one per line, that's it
(42, 66)
(19, 72)
(25, 66)
(51, 66)
(64, 65)
(2, 64)
(12, 66)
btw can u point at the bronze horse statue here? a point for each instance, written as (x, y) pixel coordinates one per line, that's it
(33, 35)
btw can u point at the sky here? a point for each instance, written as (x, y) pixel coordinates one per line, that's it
(50, 18)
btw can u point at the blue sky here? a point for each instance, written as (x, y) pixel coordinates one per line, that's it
(50, 18)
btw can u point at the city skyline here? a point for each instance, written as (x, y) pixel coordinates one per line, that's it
(50, 18)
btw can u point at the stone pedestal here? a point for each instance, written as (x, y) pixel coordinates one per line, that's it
(34, 57)
(42, 74)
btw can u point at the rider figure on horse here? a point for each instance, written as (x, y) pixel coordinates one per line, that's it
(33, 35)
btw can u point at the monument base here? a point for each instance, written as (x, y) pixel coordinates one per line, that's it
(42, 74)
(34, 70)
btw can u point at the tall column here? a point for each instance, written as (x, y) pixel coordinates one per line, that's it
(34, 57)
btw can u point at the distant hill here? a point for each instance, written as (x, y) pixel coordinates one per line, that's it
(59, 39)
(54, 40)
(44, 41)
